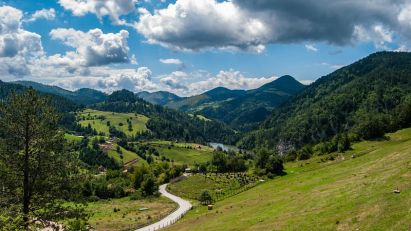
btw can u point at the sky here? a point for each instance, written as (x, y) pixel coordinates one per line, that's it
(191, 46)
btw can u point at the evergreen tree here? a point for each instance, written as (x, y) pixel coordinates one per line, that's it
(36, 170)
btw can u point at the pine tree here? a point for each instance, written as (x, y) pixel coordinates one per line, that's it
(35, 170)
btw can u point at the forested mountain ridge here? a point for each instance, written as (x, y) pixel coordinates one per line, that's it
(239, 108)
(85, 96)
(167, 123)
(158, 97)
(365, 99)
(209, 97)
(61, 103)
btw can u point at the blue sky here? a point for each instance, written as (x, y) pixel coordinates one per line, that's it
(202, 43)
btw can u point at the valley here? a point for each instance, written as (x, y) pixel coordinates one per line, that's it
(333, 155)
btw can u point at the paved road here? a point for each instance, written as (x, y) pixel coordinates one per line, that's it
(184, 206)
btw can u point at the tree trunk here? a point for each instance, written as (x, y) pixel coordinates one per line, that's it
(26, 186)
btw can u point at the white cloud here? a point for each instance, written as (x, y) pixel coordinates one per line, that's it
(106, 79)
(16, 44)
(171, 61)
(47, 14)
(14, 40)
(92, 48)
(203, 24)
(187, 84)
(311, 47)
(377, 34)
(112, 8)
(189, 25)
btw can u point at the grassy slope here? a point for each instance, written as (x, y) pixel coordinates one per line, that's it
(127, 155)
(138, 122)
(345, 194)
(129, 217)
(182, 155)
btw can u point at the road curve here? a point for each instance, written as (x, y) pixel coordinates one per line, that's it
(183, 207)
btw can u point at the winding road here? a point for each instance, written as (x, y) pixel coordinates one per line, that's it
(183, 207)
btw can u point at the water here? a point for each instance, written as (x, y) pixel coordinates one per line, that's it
(225, 147)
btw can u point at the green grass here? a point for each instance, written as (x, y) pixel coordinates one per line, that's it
(183, 153)
(89, 116)
(128, 217)
(219, 186)
(344, 194)
(72, 138)
(127, 155)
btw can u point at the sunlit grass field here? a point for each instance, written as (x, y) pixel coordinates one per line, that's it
(183, 153)
(128, 215)
(352, 192)
(89, 116)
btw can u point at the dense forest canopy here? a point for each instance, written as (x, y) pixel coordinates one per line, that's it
(167, 123)
(365, 99)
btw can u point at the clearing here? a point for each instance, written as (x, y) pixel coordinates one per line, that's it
(183, 153)
(100, 120)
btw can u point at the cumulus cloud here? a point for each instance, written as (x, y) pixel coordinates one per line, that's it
(231, 79)
(17, 45)
(187, 84)
(111, 8)
(171, 61)
(47, 14)
(108, 79)
(14, 40)
(92, 48)
(203, 24)
(251, 25)
(377, 34)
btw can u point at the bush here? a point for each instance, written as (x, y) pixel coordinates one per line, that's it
(205, 198)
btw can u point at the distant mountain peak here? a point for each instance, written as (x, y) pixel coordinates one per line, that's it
(284, 83)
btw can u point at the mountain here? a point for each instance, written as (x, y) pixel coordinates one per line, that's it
(169, 124)
(159, 97)
(62, 104)
(83, 96)
(239, 108)
(194, 103)
(364, 100)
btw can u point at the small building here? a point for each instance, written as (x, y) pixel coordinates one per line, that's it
(187, 170)
(210, 207)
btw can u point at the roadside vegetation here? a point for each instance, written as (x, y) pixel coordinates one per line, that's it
(127, 214)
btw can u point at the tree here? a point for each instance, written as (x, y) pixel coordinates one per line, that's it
(36, 170)
(205, 197)
(220, 161)
(139, 172)
(149, 186)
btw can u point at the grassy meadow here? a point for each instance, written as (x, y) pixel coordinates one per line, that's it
(219, 186)
(352, 192)
(93, 117)
(126, 214)
(183, 153)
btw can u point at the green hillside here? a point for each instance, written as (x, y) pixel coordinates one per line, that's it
(365, 99)
(183, 153)
(238, 108)
(83, 96)
(159, 97)
(347, 193)
(168, 124)
(102, 120)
